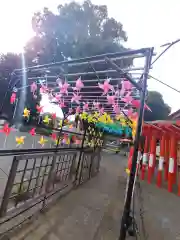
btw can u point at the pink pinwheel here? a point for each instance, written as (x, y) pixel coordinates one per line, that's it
(13, 98)
(58, 97)
(111, 99)
(127, 99)
(43, 89)
(33, 87)
(79, 85)
(126, 85)
(53, 115)
(96, 105)
(101, 110)
(78, 109)
(64, 88)
(136, 103)
(39, 108)
(106, 86)
(85, 106)
(76, 98)
(54, 136)
(32, 132)
(6, 129)
(62, 104)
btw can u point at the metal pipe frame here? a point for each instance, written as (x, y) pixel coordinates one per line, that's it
(78, 62)
(93, 59)
(101, 72)
(131, 182)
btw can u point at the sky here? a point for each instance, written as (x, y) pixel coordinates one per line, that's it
(147, 23)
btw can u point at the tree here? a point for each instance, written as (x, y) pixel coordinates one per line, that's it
(160, 110)
(8, 62)
(78, 30)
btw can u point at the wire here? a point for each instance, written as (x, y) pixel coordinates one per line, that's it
(164, 83)
(165, 50)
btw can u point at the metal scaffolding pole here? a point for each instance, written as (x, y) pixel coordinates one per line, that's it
(128, 199)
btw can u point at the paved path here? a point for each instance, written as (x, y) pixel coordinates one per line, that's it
(92, 212)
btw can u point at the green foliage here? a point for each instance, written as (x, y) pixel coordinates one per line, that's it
(160, 110)
(77, 30)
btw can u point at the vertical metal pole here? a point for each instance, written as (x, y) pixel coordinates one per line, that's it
(127, 205)
(80, 156)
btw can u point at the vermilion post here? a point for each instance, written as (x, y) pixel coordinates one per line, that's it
(161, 161)
(130, 158)
(171, 163)
(175, 162)
(152, 158)
(166, 158)
(145, 157)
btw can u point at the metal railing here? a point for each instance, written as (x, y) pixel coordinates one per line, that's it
(37, 179)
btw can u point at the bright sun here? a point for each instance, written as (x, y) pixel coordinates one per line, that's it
(15, 21)
(15, 25)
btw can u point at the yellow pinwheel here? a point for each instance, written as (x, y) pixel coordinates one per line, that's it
(42, 141)
(20, 140)
(46, 119)
(68, 141)
(90, 119)
(26, 113)
(60, 123)
(84, 116)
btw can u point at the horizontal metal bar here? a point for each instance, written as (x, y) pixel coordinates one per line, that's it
(16, 152)
(70, 91)
(74, 81)
(96, 58)
(32, 155)
(91, 96)
(108, 72)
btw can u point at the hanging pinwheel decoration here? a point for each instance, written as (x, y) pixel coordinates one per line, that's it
(20, 141)
(32, 132)
(106, 86)
(54, 136)
(42, 141)
(26, 113)
(13, 98)
(46, 119)
(6, 130)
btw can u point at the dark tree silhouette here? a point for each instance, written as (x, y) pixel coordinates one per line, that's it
(160, 110)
